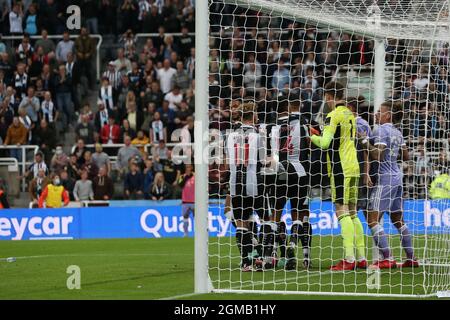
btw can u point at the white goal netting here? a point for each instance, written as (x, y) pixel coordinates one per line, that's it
(264, 55)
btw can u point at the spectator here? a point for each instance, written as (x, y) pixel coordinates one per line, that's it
(134, 183)
(140, 141)
(45, 138)
(15, 20)
(160, 150)
(38, 164)
(185, 43)
(100, 158)
(127, 130)
(27, 123)
(187, 183)
(152, 21)
(181, 77)
(37, 186)
(7, 112)
(63, 48)
(90, 11)
(73, 168)
(16, 135)
(165, 75)
(103, 185)
(6, 66)
(110, 132)
(128, 14)
(53, 194)
(47, 78)
(101, 116)
(134, 117)
(47, 44)
(21, 81)
(136, 78)
(48, 111)
(149, 175)
(32, 20)
(108, 20)
(25, 50)
(160, 189)
(63, 90)
(167, 117)
(153, 94)
(59, 161)
(38, 60)
(68, 183)
(122, 94)
(122, 63)
(89, 166)
(79, 151)
(174, 97)
(158, 130)
(190, 64)
(149, 114)
(31, 104)
(2, 45)
(107, 94)
(85, 49)
(86, 111)
(51, 16)
(172, 172)
(125, 154)
(73, 72)
(85, 130)
(114, 76)
(281, 77)
(184, 112)
(83, 190)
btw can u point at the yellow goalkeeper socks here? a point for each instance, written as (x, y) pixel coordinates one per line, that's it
(359, 238)
(348, 236)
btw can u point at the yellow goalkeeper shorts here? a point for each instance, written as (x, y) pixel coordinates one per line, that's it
(344, 190)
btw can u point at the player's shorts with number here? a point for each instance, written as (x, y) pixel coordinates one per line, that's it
(344, 190)
(386, 198)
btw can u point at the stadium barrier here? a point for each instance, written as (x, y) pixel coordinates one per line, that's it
(23, 162)
(98, 37)
(164, 219)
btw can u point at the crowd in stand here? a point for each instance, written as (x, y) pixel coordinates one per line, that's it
(146, 91)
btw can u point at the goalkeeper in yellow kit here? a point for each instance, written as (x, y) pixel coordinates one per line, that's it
(339, 138)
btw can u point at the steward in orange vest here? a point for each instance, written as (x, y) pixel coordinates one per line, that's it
(53, 195)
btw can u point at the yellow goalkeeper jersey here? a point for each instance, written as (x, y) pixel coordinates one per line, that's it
(339, 139)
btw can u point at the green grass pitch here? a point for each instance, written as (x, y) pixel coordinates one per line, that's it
(164, 268)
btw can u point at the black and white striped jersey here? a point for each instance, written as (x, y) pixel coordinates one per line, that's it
(265, 131)
(290, 145)
(243, 153)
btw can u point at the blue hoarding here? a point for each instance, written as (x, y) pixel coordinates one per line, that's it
(165, 220)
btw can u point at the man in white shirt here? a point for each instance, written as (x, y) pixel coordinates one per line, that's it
(165, 75)
(174, 97)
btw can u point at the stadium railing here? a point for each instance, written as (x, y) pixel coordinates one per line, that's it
(23, 163)
(94, 36)
(112, 149)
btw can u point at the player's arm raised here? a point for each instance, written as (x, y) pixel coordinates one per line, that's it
(329, 131)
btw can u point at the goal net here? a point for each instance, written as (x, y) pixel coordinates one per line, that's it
(264, 54)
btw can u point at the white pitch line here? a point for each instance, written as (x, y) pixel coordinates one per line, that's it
(180, 296)
(96, 255)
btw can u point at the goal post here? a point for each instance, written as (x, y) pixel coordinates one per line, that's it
(201, 130)
(379, 50)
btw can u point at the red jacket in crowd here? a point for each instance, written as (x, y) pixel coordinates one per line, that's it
(107, 133)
